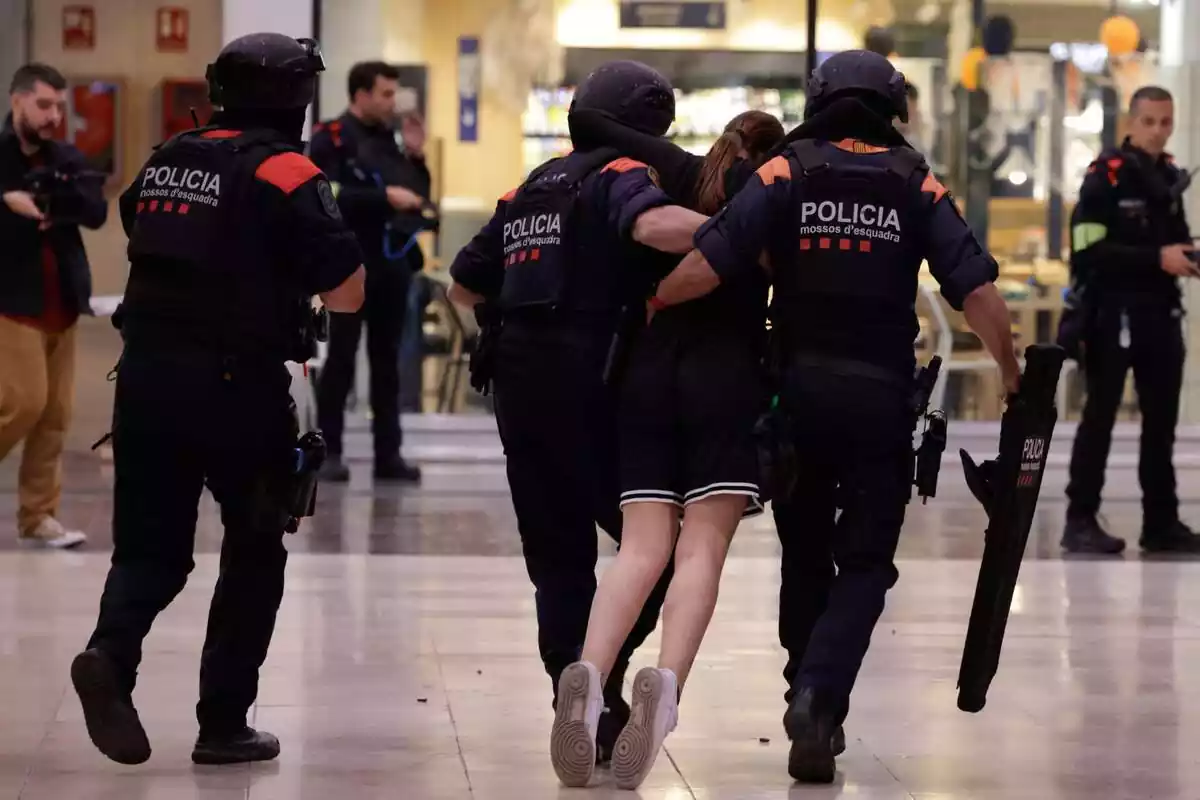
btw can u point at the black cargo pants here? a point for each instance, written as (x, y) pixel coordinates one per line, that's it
(183, 422)
(383, 313)
(854, 447)
(557, 421)
(1156, 355)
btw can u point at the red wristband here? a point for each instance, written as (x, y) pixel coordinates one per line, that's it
(656, 303)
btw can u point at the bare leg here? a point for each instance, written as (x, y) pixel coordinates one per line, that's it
(647, 539)
(708, 527)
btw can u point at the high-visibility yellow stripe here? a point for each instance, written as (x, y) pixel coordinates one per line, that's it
(337, 188)
(1086, 234)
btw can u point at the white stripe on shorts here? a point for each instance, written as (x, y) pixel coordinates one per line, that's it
(651, 496)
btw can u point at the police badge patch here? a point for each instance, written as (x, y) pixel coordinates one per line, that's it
(328, 201)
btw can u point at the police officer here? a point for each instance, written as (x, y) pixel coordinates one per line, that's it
(844, 221)
(231, 231)
(560, 258)
(1129, 244)
(382, 190)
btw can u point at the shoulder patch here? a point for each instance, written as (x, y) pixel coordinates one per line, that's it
(287, 171)
(328, 198)
(777, 168)
(856, 146)
(624, 165)
(931, 185)
(508, 196)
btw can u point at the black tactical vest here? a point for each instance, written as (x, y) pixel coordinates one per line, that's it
(201, 268)
(846, 264)
(548, 257)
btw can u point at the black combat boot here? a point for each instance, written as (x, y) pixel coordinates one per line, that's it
(1174, 538)
(237, 748)
(612, 722)
(397, 470)
(812, 730)
(112, 721)
(1085, 535)
(334, 470)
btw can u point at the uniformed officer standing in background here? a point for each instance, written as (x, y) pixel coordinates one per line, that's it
(231, 232)
(845, 222)
(382, 190)
(1129, 244)
(559, 260)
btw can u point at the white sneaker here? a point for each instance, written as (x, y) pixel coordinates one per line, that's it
(51, 533)
(653, 714)
(576, 717)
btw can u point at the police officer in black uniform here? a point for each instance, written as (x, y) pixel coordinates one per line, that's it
(1130, 244)
(232, 230)
(560, 259)
(383, 192)
(845, 220)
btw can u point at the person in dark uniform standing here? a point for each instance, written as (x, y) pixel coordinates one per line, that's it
(382, 191)
(1130, 244)
(844, 222)
(232, 230)
(559, 260)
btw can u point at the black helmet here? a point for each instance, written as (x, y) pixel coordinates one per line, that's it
(857, 72)
(632, 93)
(267, 71)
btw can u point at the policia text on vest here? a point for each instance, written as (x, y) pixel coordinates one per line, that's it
(849, 219)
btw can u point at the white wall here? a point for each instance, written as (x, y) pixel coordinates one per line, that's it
(240, 17)
(351, 31)
(12, 42)
(1179, 71)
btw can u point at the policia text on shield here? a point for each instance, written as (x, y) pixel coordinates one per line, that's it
(848, 375)
(551, 301)
(1008, 489)
(222, 272)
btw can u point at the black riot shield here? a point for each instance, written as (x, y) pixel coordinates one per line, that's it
(1008, 488)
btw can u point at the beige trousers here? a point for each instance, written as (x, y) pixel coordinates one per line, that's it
(37, 383)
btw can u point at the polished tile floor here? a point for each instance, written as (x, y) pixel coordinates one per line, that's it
(413, 675)
(404, 662)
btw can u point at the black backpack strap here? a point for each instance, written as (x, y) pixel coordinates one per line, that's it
(904, 161)
(580, 165)
(808, 153)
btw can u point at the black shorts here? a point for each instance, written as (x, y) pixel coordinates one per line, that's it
(688, 405)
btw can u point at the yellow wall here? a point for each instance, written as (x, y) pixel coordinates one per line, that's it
(472, 174)
(125, 49)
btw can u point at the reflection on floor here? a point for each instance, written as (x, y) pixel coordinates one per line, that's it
(415, 676)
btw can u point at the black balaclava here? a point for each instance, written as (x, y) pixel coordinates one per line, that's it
(288, 123)
(631, 93)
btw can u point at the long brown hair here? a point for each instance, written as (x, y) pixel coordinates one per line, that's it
(755, 132)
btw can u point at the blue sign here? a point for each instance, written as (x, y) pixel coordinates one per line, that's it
(469, 74)
(651, 14)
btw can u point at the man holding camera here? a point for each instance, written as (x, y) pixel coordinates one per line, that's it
(45, 284)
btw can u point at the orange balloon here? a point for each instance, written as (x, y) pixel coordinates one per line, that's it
(969, 69)
(1120, 35)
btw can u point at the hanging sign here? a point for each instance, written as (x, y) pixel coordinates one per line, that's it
(650, 14)
(171, 28)
(470, 72)
(78, 28)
